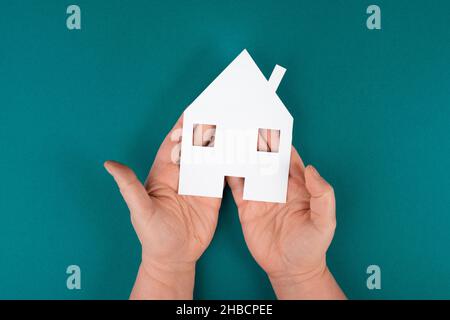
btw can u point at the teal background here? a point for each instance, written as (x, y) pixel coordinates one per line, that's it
(371, 111)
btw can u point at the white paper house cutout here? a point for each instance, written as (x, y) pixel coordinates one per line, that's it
(238, 102)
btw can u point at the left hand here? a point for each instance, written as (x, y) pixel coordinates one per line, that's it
(290, 240)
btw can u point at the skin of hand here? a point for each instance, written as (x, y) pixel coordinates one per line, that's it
(174, 230)
(290, 240)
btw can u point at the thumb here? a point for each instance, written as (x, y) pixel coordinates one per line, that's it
(236, 185)
(132, 190)
(322, 202)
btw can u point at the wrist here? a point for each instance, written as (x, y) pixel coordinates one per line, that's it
(298, 278)
(317, 283)
(156, 280)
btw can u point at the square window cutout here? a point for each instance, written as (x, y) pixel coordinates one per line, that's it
(203, 135)
(268, 140)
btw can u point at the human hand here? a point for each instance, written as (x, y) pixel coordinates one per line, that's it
(174, 230)
(289, 241)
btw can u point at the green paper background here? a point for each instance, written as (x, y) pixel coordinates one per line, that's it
(371, 111)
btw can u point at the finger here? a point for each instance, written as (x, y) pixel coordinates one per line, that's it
(237, 188)
(268, 140)
(166, 167)
(273, 140)
(204, 135)
(262, 140)
(171, 141)
(132, 190)
(296, 168)
(322, 202)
